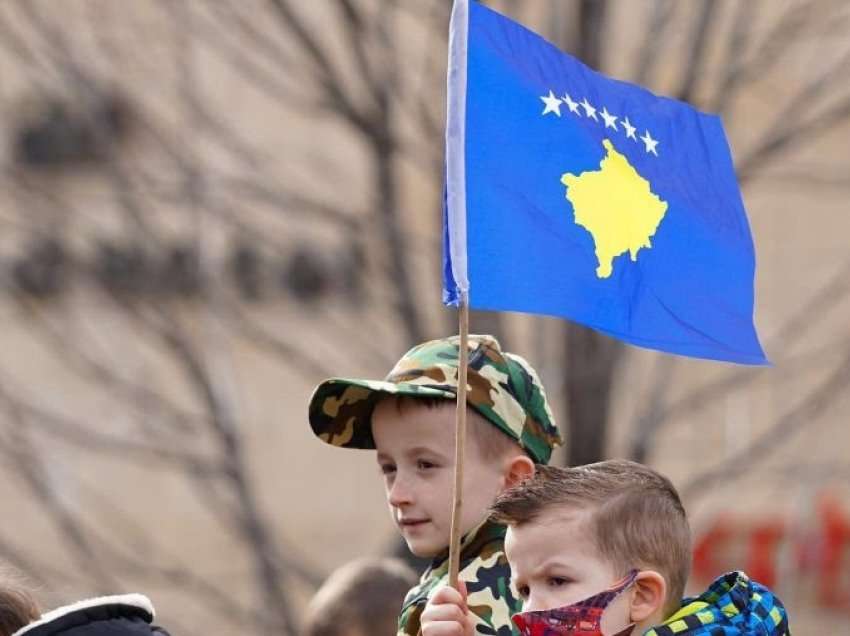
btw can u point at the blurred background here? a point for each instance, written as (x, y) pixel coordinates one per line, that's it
(208, 206)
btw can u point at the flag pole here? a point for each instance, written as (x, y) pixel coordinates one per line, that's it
(460, 441)
(456, 228)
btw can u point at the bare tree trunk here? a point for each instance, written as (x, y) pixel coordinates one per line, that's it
(591, 360)
(591, 22)
(696, 57)
(489, 322)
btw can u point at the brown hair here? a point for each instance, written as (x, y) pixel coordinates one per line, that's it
(637, 520)
(492, 442)
(17, 606)
(364, 596)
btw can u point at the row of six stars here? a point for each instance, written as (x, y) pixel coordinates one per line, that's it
(553, 105)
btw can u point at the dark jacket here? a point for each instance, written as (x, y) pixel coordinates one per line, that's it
(734, 605)
(125, 615)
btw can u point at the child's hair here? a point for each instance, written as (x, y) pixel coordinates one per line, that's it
(491, 442)
(17, 607)
(364, 596)
(637, 518)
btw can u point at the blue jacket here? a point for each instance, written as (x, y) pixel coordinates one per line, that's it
(732, 606)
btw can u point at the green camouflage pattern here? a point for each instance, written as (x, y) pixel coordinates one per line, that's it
(501, 386)
(485, 570)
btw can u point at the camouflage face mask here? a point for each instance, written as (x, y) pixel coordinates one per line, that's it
(579, 619)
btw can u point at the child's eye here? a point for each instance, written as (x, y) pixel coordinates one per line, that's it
(387, 469)
(423, 464)
(558, 581)
(522, 590)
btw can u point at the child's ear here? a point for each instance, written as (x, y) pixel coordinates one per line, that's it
(518, 469)
(647, 598)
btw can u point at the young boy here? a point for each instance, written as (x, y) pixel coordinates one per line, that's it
(17, 606)
(605, 549)
(361, 598)
(409, 418)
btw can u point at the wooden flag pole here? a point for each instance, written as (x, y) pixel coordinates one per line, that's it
(460, 442)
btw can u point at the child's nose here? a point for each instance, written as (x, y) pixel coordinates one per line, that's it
(400, 492)
(534, 604)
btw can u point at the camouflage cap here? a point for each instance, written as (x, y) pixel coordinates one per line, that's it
(501, 386)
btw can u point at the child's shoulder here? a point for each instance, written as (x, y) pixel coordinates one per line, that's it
(733, 605)
(486, 573)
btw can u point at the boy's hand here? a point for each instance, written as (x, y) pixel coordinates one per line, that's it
(446, 614)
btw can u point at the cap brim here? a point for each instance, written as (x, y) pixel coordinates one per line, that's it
(341, 408)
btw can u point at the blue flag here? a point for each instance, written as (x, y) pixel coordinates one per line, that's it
(575, 195)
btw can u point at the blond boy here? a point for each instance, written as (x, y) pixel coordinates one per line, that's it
(408, 418)
(361, 598)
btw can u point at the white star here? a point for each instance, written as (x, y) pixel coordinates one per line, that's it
(590, 110)
(610, 120)
(630, 130)
(650, 143)
(573, 106)
(553, 104)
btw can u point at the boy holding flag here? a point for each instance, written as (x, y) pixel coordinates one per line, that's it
(409, 418)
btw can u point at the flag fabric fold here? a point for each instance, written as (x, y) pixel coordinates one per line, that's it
(575, 195)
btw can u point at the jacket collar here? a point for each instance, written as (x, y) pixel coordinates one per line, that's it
(472, 545)
(122, 604)
(733, 605)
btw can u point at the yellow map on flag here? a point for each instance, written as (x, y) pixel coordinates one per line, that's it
(616, 205)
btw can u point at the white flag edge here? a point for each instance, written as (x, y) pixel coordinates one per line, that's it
(456, 144)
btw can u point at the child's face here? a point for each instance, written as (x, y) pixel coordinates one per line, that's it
(416, 454)
(554, 563)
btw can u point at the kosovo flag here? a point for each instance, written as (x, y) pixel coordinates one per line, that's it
(575, 195)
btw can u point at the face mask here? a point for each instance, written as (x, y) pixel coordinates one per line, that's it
(580, 619)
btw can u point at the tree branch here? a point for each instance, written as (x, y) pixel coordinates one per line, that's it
(795, 421)
(270, 576)
(700, 36)
(30, 468)
(733, 62)
(647, 57)
(650, 422)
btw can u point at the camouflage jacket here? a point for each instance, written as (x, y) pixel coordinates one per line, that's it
(485, 570)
